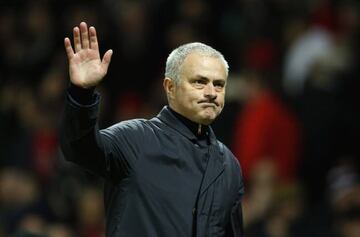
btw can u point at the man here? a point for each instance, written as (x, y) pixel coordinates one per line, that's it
(167, 176)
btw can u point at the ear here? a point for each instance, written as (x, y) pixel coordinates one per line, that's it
(169, 87)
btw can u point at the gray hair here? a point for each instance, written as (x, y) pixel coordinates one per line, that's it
(178, 55)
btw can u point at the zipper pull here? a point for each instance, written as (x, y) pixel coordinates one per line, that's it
(199, 130)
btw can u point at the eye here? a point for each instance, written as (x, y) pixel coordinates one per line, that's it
(219, 84)
(202, 82)
(198, 83)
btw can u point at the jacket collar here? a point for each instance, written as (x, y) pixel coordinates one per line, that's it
(200, 131)
(170, 119)
(215, 167)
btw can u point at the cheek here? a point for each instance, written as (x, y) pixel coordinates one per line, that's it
(221, 99)
(190, 96)
(186, 99)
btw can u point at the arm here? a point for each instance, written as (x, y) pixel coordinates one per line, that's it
(237, 221)
(80, 139)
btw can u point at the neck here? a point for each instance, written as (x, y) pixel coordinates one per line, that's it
(199, 130)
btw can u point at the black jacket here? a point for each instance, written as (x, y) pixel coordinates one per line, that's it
(159, 180)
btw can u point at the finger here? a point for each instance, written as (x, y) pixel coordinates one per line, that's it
(93, 38)
(77, 42)
(106, 59)
(69, 50)
(84, 35)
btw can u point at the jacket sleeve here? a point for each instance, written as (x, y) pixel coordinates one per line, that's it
(237, 222)
(236, 212)
(107, 153)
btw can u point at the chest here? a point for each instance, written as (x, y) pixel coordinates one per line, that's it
(175, 172)
(171, 169)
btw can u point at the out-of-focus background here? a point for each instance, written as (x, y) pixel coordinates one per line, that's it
(292, 115)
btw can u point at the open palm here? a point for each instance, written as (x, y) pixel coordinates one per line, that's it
(86, 69)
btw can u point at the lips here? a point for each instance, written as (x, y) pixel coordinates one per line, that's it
(208, 104)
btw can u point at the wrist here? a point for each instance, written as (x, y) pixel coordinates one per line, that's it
(80, 94)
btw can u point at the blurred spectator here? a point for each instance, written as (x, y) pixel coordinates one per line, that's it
(265, 128)
(31, 225)
(91, 213)
(19, 196)
(272, 208)
(260, 191)
(344, 197)
(309, 47)
(59, 230)
(31, 40)
(328, 105)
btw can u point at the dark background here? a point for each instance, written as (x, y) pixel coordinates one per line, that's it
(305, 54)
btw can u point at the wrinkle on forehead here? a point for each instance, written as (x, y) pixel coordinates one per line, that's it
(205, 66)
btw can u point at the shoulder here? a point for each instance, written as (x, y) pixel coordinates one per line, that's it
(229, 157)
(130, 124)
(127, 127)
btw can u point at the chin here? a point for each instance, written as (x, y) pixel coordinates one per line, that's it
(207, 120)
(205, 117)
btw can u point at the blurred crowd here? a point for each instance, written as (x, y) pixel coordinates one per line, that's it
(292, 115)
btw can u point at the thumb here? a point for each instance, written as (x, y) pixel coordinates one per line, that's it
(106, 59)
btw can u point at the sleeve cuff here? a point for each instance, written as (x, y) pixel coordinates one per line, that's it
(82, 96)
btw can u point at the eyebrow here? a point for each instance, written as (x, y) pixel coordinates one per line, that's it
(206, 78)
(200, 77)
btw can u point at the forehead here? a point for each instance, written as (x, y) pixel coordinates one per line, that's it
(203, 65)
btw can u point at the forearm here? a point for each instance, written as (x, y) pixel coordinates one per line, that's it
(79, 135)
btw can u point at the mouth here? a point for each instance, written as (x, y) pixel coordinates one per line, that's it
(208, 104)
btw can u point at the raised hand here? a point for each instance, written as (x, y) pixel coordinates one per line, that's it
(86, 69)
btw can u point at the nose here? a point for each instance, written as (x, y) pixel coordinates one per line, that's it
(209, 91)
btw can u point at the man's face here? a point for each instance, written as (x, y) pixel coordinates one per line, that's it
(199, 96)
